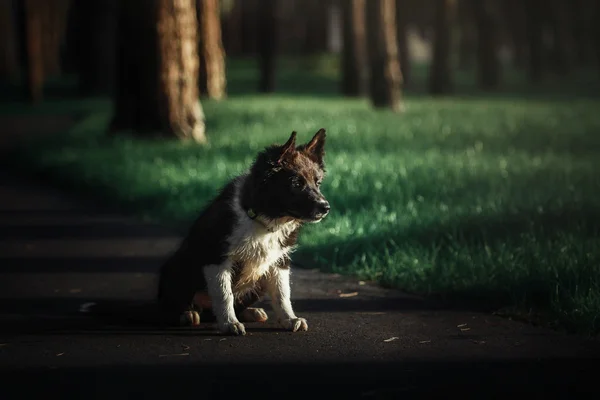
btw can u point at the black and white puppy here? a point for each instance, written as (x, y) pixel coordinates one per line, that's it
(239, 247)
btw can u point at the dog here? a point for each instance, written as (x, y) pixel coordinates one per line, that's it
(239, 248)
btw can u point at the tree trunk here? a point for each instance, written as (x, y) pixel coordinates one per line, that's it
(467, 34)
(157, 70)
(212, 55)
(513, 19)
(440, 76)
(316, 20)
(562, 39)
(596, 31)
(232, 32)
(54, 20)
(402, 18)
(487, 44)
(9, 68)
(534, 35)
(267, 45)
(34, 49)
(385, 74)
(354, 53)
(251, 11)
(581, 30)
(92, 36)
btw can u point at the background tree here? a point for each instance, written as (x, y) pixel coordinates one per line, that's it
(40, 30)
(467, 34)
(596, 31)
(582, 31)
(562, 40)
(440, 76)
(403, 8)
(534, 25)
(514, 22)
(91, 39)
(316, 22)
(251, 12)
(54, 21)
(212, 55)
(354, 51)
(488, 43)
(231, 27)
(385, 76)
(157, 69)
(31, 13)
(9, 64)
(267, 44)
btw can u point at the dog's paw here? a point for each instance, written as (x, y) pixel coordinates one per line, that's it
(189, 318)
(251, 314)
(233, 328)
(294, 324)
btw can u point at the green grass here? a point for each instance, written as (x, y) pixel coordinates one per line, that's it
(488, 198)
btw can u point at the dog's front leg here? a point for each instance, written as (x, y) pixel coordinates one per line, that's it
(278, 286)
(218, 280)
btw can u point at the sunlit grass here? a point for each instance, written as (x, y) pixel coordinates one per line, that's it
(490, 199)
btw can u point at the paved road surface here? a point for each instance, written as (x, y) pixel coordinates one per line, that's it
(57, 252)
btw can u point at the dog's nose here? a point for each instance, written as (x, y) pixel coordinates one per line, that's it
(323, 206)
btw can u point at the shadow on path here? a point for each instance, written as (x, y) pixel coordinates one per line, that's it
(476, 379)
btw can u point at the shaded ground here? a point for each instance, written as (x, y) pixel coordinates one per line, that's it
(15, 127)
(57, 252)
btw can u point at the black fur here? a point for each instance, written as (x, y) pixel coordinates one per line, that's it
(283, 182)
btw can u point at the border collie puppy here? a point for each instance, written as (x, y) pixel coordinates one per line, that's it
(238, 249)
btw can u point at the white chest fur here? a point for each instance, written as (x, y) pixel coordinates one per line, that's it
(255, 250)
(256, 245)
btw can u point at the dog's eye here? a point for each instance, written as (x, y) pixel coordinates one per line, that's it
(297, 182)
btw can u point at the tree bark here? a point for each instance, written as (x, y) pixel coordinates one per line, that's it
(92, 39)
(267, 45)
(157, 70)
(488, 71)
(535, 42)
(385, 74)
(34, 49)
(9, 68)
(354, 52)
(316, 20)
(54, 20)
(440, 76)
(513, 19)
(581, 30)
(212, 55)
(251, 11)
(596, 31)
(562, 39)
(402, 18)
(232, 32)
(467, 34)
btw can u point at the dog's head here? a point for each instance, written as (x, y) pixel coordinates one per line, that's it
(287, 180)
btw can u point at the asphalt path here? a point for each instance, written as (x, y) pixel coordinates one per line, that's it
(57, 252)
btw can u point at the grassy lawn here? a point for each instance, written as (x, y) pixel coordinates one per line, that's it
(489, 198)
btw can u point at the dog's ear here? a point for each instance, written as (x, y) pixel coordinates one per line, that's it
(287, 148)
(315, 149)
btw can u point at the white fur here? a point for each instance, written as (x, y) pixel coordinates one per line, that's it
(278, 286)
(257, 243)
(218, 280)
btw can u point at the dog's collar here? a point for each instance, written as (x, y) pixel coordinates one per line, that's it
(252, 215)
